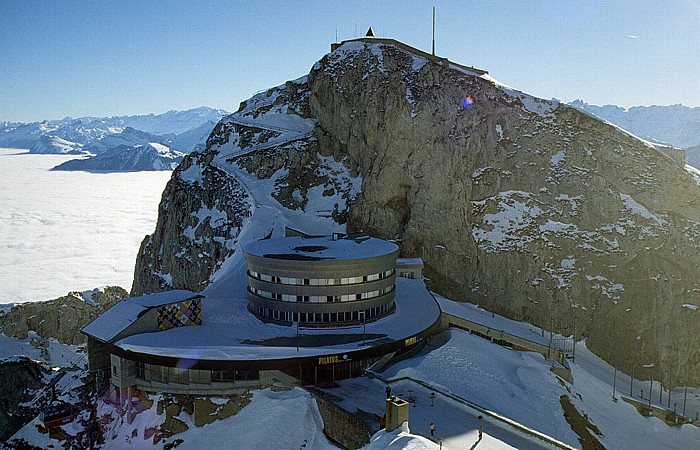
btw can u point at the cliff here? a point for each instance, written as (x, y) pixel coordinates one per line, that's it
(530, 208)
(62, 318)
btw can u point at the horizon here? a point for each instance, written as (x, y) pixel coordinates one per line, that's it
(80, 59)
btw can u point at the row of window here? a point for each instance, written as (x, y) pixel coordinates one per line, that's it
(320, 281)
(321, 298)
(161, 374)
(341, 317)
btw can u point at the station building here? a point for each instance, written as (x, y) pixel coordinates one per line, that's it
(321, 280)
(314, 308)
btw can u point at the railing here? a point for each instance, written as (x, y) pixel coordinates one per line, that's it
(505, 420)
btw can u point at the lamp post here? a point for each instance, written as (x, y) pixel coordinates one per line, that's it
(297, 314)
(364, 327)
(650, 366)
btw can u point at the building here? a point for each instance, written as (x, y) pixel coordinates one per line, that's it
(321, 280)
(315, 308)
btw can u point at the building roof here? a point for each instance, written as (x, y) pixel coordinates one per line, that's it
(127, 311)
(409, 262)
(229, 332)
(321, 248)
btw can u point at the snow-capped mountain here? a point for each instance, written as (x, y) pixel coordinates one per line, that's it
(125, 138)
(194, 139)
(676, 125)
(181, 130)
(48, 144)
(173, 122)
(124, 158)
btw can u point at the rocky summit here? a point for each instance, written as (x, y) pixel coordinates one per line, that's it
(528, 207)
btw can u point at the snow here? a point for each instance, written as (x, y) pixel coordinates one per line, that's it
(558, 157)
(620, 423)
(192, 175)
(285, 419)
(691, 306)
(275, 420)
(125, 312)
(418, 63)
(515, 212)
(214, 215)
(323, 247)
(87, 296)
(694, 172)
(473, 313)
(400, 439)
(226, 322)
(518, 385)
(639, 209)
(67, 231)
(62, 355)
(541, 107)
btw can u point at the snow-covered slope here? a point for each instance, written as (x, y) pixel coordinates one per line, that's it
(123, 158)
(48, 144)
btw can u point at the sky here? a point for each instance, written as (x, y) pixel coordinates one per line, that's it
(84, 58)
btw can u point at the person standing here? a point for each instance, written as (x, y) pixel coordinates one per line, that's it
(388, 391)
(432, 429)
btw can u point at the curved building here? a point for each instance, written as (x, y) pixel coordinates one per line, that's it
(320, 281)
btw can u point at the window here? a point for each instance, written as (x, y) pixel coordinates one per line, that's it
(179, 375)
(140, 370)
(114, 371)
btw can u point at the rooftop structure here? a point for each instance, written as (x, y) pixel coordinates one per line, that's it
(433, 58)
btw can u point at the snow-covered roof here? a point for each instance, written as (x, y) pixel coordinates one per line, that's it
(230, 332)
(409, 262)
(473, 313)
(321, 248)
(127, 311)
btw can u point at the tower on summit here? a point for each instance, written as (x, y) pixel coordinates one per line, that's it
(370, 33)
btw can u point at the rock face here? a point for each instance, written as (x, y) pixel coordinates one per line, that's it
(530, 208)
(62, 318)
(19, 378)
(199, 218)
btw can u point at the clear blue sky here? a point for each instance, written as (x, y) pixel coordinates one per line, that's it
(75, 58)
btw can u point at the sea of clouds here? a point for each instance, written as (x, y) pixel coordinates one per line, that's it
(65, 231)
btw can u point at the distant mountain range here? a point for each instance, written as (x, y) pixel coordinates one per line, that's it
(676, 125)
(124, 158)
(156, 140)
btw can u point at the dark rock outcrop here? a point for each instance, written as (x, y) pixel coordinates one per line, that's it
(20, 378)
(62, 318)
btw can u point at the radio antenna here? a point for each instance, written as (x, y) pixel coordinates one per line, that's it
(433, 31)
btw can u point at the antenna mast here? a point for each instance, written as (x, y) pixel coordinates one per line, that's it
(433, 31)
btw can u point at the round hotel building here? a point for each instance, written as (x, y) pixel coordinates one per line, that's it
(321, 281)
